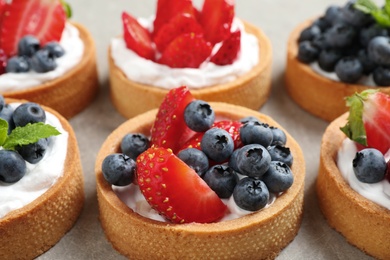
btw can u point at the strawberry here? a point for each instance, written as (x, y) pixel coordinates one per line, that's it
(169, 129)
(137, 38)
(216, 19)
(166, 9)
(175, 190)
(45, 19)
(229, 50)
(369, 120)
(187, 50)
(179, 24)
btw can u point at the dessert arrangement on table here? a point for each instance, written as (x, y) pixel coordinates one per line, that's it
(195, 171)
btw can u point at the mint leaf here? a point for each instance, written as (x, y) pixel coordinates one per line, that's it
(3, 130)
(366, 6)
(29, 134)
(67, 9)
(382, 16)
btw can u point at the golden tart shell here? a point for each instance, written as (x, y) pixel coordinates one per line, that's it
(261, 235)
(28, 232)
(320, 96)
(72, 92)
(250, 90)
(362, 222)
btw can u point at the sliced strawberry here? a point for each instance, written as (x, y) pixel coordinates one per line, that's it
(166, 9)
(169, 129)
(175, 190)
(229, 50)
(45, 19)
(369, 119)
(136, 37)
(216, 19)
(179, 24)
(186, 51)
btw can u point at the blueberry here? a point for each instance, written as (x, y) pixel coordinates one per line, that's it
(134, 144)
(17, 64)
(118, 169)
(196, 159)
(249, 119)
(320, 43)
(280, 153)
(42, 61)
(309, 33)
(2, 102)
(340, 35)
(253, 160)
(28, 46)
(279, 177)
(221, 179)
(278, 136)
(354, 16)
(367, 63)
(328, 59)
(307, 52)
(6, 114)
(255, 133)
(55, 49)
(333, 14)
(369, 32)
(251, 194)
(199, 116)
(233, 160)
(349, 69)
(369, 165)
(381, 76)
(217, 144)
(379, 50)
(322, 23)
(33, 153)
(28, 113)
(12, 166)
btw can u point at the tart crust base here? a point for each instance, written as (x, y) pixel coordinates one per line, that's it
(261, 235)
(72, 92)
(28, 232)
(320, 96)
(250, 90)
(362, 222)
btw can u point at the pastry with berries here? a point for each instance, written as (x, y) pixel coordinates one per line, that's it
(332, 56)
(353, 182)
(46, 58)
(192, 185)
(217, 55)
(41, 180)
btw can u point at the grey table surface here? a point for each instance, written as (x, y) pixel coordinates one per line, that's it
(277, 18)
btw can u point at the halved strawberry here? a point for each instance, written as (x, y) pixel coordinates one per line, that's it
(179, 24)
(45, 19)
(216, 19)
(187, 50)
(175, 190)
(169, 129)
(369, 119)
(166, 9)
(136, 37)
(229, 50)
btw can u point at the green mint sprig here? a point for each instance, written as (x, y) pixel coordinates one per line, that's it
(381, 15)
(67, 9)
(25, 135)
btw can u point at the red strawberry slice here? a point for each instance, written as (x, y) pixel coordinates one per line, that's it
(169, 129)
(216, 19)
(166, 9)
(229, 50)
(179, 24)
(186, 51)
(136, 37)
(175, 190)
(369, 119)
(45, 19)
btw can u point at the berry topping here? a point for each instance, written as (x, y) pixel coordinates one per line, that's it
(278, 136)
(134, 144)
(379, 50)
(6, 114)
(369, 165)
(43, 61)
(349, 69)
(381, 76)
(28, 45)
(199, 116)
(280, 153)
(222, 179)
(196, 159)
(278, 177)
(307, 52)
(17, 64)
(118, 169)
(12, 166)
(173, 188)
(253, 160)
(33, 153)
(256, 133)
(229, 50)
(28, 113)
(54, 49)
(309, 33)
(217, 144)
(251, 194)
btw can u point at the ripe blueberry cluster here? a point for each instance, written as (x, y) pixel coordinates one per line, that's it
(369, 165)
(348, 42)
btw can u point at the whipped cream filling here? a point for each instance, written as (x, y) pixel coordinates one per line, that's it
(377, 192)
(74, 49)
(148, 72)
(39, 177)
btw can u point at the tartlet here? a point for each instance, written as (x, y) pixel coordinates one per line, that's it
(316, 94)
(73, 91)
(261, 235)
(28, 232)
(362, 222)
(250, 90)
